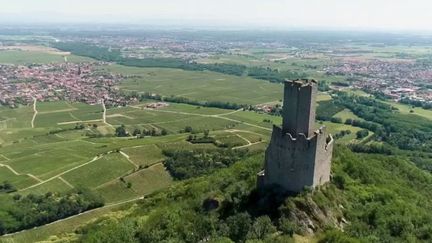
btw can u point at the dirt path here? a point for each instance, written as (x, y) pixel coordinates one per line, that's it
(19, 174)
(78, 215)
(245, 146)
(120, 115)
(35, 113)
(245, 139)
(66, 182)
(229, 113)
(64, 172)
(249, 143)
(128, 158)
(10, 168)
(78, 121)
(246, 123)
(220, 116)
(129, 174)
(4, 157)
(34, 177)
(58, 111)
(244, 131)
(104, 114)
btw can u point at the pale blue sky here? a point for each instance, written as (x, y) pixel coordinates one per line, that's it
(351, 14)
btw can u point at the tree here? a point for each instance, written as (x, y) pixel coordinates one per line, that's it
(79, 126)
(239, 225)
(206, 133)
(261, 228)
(136, 132)
(164, 132)
(336, 120)
(121, 131)
(153, 132)
(362, 134)
(7, 187)
(286, 226)
(349, 121)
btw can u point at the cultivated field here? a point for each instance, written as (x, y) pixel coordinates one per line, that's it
(201, 86)
(39, 56)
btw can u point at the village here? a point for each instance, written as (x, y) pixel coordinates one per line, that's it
(22, 84)
(396, 79)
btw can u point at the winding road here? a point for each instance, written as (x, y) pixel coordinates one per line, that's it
(35, 112)
(104, 114)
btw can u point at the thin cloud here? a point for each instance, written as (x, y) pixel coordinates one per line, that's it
(372, 14)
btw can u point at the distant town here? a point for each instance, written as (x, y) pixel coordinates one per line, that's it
(395, 79)
(21, 84)
(399, 76)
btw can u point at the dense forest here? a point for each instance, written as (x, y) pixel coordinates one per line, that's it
(114, 55)
(188, 164)
(19, 212)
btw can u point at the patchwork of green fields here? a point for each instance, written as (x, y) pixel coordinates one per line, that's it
(201, 86)
(54, 156)
(45, 162)
(39, 160)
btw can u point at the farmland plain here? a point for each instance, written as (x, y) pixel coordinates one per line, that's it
(69, 144)
(201, 86)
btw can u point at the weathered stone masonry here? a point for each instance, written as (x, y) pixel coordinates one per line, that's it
(298, 156)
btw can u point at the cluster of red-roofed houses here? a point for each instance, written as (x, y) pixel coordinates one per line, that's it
(395, 79)
(20, 84)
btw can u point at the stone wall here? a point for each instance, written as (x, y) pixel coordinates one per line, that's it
(298, 156)
(294, 163)
(299, 107)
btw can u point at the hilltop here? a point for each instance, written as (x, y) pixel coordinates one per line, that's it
(371, 198)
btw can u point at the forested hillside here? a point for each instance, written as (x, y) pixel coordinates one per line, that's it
(372, 198)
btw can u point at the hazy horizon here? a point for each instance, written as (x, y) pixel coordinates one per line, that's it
(275, 14)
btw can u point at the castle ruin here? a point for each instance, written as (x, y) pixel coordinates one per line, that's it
(298, 155)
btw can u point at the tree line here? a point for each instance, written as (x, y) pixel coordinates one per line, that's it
(408, 132)
(184, 164)
(115, 55)
(18, 212)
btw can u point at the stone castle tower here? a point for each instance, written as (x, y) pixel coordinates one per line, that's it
(298, 156)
